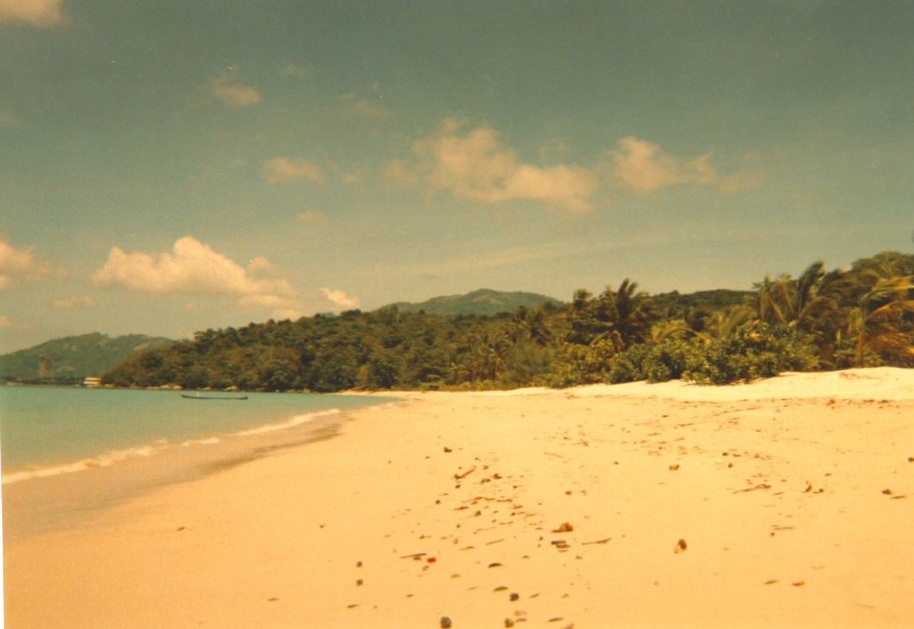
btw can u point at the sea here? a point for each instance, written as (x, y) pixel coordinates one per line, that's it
(66, 451)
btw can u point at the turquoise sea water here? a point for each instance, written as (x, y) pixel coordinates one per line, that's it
(46, 431)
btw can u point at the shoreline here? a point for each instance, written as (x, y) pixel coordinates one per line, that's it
(66, 495)
(582, 507)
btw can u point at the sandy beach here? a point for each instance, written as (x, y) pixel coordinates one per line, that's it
(787, 502)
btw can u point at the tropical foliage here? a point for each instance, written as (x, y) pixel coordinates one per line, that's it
(861, 316)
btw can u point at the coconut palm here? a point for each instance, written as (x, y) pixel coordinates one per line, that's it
(877, 322)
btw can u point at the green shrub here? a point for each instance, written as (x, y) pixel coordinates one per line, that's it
(747, 355)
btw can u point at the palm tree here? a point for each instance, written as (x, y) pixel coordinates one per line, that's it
(670, 329)
(625, 315)
(725, 323)
(877, 322)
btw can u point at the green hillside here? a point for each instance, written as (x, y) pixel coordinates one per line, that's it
(75, 357)
(483, 302)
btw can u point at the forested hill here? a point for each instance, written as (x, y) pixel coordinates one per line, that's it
(820, 319)
(479, 302)
(73, 358)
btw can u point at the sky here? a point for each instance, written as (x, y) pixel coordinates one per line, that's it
(167, 167)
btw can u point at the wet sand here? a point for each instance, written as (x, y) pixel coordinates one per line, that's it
(783, 503)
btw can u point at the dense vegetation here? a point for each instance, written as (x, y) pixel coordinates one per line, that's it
(862, 316)
(72, 358)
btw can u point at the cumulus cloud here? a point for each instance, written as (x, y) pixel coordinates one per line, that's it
(15, 259)
(474, 164)
(74, 303)
(339, 298)
(287, 170)
(34, 12)
(19, 262)
(194, 268)
(227, 89)
(645, 168)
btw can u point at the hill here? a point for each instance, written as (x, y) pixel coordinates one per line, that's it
(713, 299)
(72, 358)
(479, 302)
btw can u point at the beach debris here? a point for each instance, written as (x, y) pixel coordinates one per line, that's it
(597, 541)
(501, 588)
(514, 596)
(564, 528)
(797, 584)
(887, 492)
(753, 488)
(560, 544)
(447, 449)
(674, 468)
(445, 622)
(360, 582)
(431, 559)
(771, 581)
(681, 546)
(272, 599)
(494, 564)
(358, 564)
(415, 556)
(911, 459)
(509, 622)
(465, 474)
(181, 528)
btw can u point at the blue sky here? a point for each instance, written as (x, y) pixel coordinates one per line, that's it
(168, 167)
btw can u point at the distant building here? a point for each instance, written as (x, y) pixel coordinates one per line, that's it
(92, 382)
(44, 367)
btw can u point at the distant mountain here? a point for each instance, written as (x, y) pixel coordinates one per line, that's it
(479, 302)
(75, 357)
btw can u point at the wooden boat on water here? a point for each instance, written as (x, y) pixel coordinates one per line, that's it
(197, 396)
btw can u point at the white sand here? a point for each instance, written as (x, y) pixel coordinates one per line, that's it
(794, 499)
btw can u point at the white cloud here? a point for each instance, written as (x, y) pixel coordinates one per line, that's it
(15, 261)
(286, 170)
(227, 89)
(34, 12)
(74, 303)
(645, 168)
(474, 164)
(339, 298)
(194, 268)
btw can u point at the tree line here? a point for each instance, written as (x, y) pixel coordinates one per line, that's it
(819, 320)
